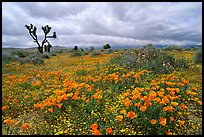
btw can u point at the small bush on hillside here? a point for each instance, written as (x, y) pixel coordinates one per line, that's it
(45, 55)
(24, 60)
(171, 48)
(37, 60)
(53, 54)
(96, 53)
(76, 53)
(20, 53)
(197, 58)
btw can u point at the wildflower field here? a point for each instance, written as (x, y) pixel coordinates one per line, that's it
(104, 94)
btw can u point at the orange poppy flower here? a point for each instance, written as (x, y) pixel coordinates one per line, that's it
(109, 130)
(37, 105)
(193, 93)
(199, 102)
(119, 117)
(165, 100)
(194, 88)
(4, 108)
(179, 113)
(97, 132)
(180, 84)
(175, 104)
(94, 126)
(143, 108)
(188, 92)
(153, 121)
(16, 124)
(131, 114)
(50, 110)
(162, 121)
(170, 108)
(25, 125)
(183, 106)
(168, 133)
(123, 112)
(171, 118)
(165, 108)
(157, 100)
(59, 105)
(181, 123)
(8, 121)
(138, 104)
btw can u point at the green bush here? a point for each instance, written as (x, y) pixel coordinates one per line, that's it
(171, 48)
(53, 54)
(197, 58)
(76, 53)
(24, 60)
(95, 53)
(20, 53)
(45, 55)
(149, 58)
(7, 57)
(37, 60)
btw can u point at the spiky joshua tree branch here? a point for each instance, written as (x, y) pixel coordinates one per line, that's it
(45, 43)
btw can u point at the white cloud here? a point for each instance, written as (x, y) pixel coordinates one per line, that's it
(125, 23)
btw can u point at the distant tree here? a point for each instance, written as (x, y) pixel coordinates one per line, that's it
(92, 48)
(106, 46)
(75, 47)
(45, 43)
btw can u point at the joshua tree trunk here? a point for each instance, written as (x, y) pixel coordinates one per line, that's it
(32, 31)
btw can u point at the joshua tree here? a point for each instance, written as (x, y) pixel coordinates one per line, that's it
(46, 29)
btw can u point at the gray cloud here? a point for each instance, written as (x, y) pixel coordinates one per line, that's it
(92, 23)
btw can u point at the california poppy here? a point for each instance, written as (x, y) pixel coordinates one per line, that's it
(94, 126)
(143, 108)
(162, 121)
(109, 130)
(131, 114)
(119, 117)
(25, 125)
(153, 121)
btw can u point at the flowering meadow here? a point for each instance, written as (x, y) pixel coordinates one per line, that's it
(91, 95)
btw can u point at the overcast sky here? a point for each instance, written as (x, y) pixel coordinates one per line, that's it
(97, 23)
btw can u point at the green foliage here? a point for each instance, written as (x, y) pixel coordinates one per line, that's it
(24, 60)
(53, 53)
(37, 60)
(197, 58)
(106, 46)
(45, 55)
(20, 53)
(76, 53)
(171, 48)
(95, 53)
(149, 58)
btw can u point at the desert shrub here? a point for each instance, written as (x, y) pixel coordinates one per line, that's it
(20, 53)
(95, 53)
(7, 57)
(45, 55)
(35, 54)
(163, 64)
(108, 51)
(53, 53)
(86, 53)
(181, 63)
(197, 58)
(24, 60)
(37, 60)
(76, 53)
(171, 48)
(149, 58)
